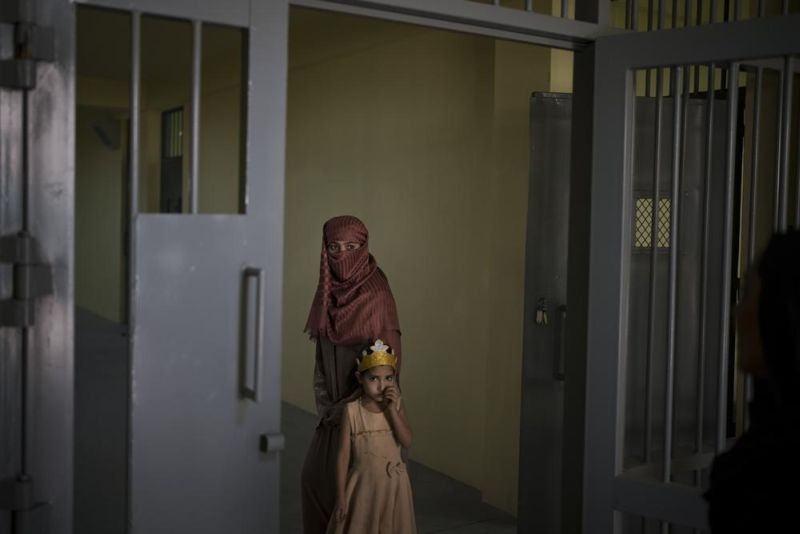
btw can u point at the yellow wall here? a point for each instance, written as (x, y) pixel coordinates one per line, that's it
(424, 135)
(98, 221)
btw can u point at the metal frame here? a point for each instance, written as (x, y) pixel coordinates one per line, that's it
(617, 58)
(480, 19)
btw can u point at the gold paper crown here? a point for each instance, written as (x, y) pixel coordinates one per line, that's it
(380, 355)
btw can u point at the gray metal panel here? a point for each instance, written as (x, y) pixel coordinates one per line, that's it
(194, 437)
(51, 216)
(195, 454)
(578, 288)
(10, 338)
(676, 504)
(608, 287)
(690, 281)
(611, 211)
(473, 17)
(233, 12)
(751, 39)
(542, 407)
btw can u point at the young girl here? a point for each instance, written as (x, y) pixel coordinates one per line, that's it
(373, 490)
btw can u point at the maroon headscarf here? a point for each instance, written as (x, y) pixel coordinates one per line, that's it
(353, 303)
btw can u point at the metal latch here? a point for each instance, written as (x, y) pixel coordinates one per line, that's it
(270, 443)
(33, 278)
(28, 516)
(31, 43)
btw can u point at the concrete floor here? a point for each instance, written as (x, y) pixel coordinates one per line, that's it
(441, 503)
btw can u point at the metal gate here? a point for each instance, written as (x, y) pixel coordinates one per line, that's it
(655, 482)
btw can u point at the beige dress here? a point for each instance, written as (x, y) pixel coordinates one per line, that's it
(378, 491)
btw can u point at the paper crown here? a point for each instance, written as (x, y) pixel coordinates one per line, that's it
(380, 355)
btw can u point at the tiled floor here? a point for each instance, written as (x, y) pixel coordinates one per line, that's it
(441, 503)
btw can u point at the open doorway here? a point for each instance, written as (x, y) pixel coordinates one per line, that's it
(424, 135)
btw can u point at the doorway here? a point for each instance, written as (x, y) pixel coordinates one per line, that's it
(424, 135)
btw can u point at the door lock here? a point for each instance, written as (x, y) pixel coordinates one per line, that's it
(541, 312)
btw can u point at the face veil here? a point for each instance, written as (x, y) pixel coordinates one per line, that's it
(353, 302)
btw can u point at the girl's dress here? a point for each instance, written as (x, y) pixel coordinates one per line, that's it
(378, 491)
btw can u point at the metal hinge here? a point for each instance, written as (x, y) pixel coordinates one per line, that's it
(33, 278)
(31, 43)
(27, 515)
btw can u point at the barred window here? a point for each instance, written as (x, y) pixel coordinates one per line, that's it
(643, 222)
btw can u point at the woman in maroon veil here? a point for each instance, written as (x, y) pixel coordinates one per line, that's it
(353, 306)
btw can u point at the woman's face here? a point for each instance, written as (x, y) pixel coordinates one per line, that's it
(335, 247)
(751, 355)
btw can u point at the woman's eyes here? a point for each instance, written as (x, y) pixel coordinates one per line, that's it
(335, 247)
(389, 378)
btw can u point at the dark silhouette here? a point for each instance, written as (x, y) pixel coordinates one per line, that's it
(755, 486)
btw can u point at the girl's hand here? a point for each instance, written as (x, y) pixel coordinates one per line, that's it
(391, 396)
(341, 510)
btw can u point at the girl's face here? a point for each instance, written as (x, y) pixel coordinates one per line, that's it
(751, 356)
(375, 380)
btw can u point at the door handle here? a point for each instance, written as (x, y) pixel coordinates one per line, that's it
(269, 443)
(254, 392)
(558, 363)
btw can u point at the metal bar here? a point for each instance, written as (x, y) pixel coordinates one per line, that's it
(677, 157)
(133, 211)
(785, 7)
(737, 10)
(474, 17)
(712, 11)
(727, 259)
(136, 60)
(528, 5)
(634, 15)
(564, 9)
(650, 9)
(687, 10)
(197, 65)
(797, 191)
(787, 79)
(674, 14)
(750, 39)
(762, 8)
(24, 339)
(651, 325)
(662, 13)
(628, 23)
(698, 16)
(751, 227)
(703, 341)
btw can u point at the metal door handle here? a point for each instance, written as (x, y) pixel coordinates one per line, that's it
(269, 443)
(558, 364)
(254, 392)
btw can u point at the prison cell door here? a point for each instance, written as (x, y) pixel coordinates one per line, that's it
(205, 286)
(660, 489)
